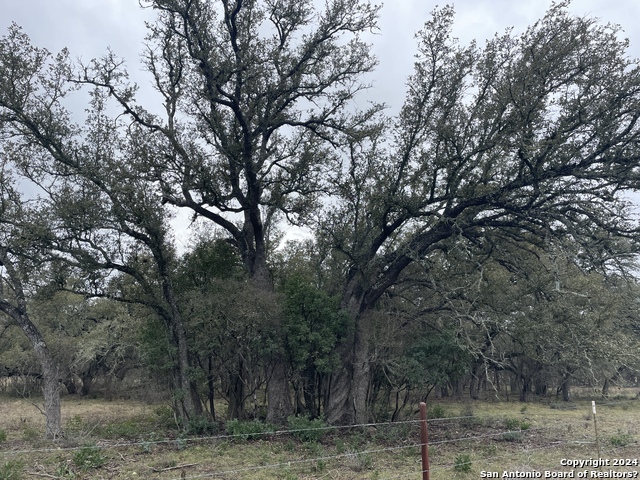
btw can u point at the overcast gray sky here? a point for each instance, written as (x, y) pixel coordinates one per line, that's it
(88, 27)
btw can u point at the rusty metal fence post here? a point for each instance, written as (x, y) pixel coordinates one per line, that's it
(424, 441)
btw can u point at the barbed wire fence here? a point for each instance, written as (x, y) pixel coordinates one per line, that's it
(237, 471)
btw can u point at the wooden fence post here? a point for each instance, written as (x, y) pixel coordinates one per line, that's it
(424, 441)
(595, 425)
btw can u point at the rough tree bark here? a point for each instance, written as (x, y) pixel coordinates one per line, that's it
(50, 370)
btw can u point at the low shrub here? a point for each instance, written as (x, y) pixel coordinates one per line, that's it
(462, 463)
(515, 437)
(307, 430)
(620, 439)
(11, 470)
(201, 425)
(516, 424)
(436, 411)
(129, 428)
(395, 433)
(358, 461)
(165, 416)
(31, 434)
(248, 430)
(89, 457)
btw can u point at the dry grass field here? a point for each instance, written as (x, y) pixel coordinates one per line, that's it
(129, 440)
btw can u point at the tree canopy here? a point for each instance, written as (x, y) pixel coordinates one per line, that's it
(502, 157)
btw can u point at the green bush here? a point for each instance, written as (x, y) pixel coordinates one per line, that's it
(462, 463)
(514, 437)
(307, 430)
(89, 457)
(165, 416)
(3, 435)
(248, 430)
(201, 425)
(395, 433)
(516, 424)
(359, 461)
(11, 470)
(64, 469)
(30, 434)
(621, 440)
(436, 411)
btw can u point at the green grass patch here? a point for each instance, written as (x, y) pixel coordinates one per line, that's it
(621, 439)
(201, 425)
(88, 458)
(244, 430)
(11, 470)
(462, 463)
(307, 430)
(516, 424)
(436, 411)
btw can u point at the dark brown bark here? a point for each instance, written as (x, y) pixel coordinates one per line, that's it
(350, 385)
(70, 386)
(279, 402)
(605, 388)
(279, 405)
(211, 387)
(188, 399)
(236, 394)
(566, 388)
(87, 382)
(525, 389)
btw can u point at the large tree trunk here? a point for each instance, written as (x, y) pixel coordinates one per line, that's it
(605, 388)
(87, 382)
(51, 393)
(50, 374)
(566, 387)
(279, 405)
(235, 393)
(70, 385)
(474, 380)
(189, 402)
(191, 405)
(525, 389)
(350, 385)
(210, 387)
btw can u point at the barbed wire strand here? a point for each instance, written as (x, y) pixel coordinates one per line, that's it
(179, 440)
(209, 438)
(246, 435)
(350, 454)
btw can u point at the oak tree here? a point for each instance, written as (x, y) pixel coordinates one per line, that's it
(529, 137)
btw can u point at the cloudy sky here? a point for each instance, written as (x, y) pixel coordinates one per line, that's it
(89, 27)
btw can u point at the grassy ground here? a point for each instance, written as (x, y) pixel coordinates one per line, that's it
(137, 441)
